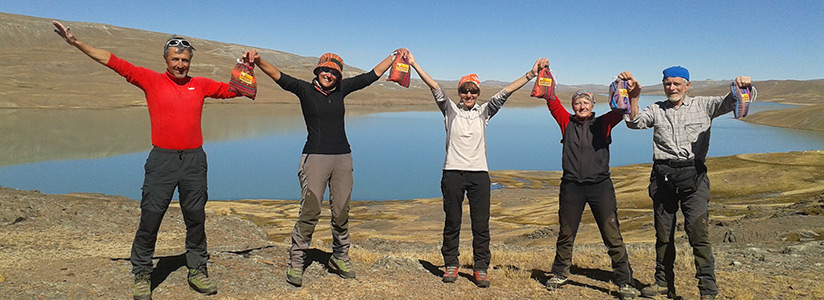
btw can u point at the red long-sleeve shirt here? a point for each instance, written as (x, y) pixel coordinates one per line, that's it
(175, 105)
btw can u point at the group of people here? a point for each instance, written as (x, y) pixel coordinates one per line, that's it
(678, 178)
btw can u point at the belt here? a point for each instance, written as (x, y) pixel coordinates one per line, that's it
(164, 150)
(676, 163)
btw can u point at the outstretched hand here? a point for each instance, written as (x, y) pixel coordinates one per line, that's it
(251, 56)
(402, 52)
(632, 84)
(410, 57)
(541, 63)
(64, 32)
(743, 81)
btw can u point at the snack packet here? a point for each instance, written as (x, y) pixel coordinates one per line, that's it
(399, 72)
(743, 97)
(243, 79)
(544, 85)
(619, 96)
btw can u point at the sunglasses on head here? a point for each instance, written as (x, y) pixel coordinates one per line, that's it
(583, 93)
(330, 71)
(469, 91)
(179, 42)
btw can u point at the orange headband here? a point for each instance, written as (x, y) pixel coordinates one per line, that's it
(473, 78)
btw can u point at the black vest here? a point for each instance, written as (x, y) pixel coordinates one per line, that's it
(586, 150)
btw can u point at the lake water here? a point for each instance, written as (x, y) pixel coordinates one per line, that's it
(396, 155)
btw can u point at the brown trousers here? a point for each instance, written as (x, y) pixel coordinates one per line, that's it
(315, 173)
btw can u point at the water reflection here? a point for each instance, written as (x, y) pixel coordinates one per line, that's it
(43, 135)
(254, 150)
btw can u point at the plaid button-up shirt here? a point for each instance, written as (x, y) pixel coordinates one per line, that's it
(684, 132)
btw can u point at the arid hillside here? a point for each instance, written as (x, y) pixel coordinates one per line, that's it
(61, 77)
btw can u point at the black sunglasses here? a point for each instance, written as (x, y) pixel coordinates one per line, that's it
(469, 91)
(330, 71)
(179, 42)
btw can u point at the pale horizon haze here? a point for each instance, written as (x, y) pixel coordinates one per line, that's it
(587, 42)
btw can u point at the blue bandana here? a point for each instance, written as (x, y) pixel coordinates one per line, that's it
(677, 71)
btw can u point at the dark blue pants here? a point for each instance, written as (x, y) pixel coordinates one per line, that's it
(166, 170)
(476, 186)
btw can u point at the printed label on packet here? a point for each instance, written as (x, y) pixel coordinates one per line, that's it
(745, 97)
(245, 78)
(623, 92)
(545, 81)
(402, 67)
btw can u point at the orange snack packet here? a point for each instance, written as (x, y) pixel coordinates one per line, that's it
(544, 85)
(399, 72)
(243, 79)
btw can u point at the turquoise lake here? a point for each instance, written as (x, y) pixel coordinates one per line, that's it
(396, 155)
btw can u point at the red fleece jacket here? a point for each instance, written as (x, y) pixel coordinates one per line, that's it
(175, 105)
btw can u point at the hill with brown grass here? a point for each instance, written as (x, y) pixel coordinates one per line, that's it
(61, 77)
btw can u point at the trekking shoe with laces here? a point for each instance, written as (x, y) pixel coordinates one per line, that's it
(627, 292)
(344, 269)
(294, 276)
(451, 274)
(142, 286)
(556, 282)
(655, 290)
(200, 282)
(481, 278)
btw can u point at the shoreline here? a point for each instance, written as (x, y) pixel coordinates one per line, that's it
(529, 200)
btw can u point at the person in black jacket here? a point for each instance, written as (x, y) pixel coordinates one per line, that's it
(327, 157)
(586, 180)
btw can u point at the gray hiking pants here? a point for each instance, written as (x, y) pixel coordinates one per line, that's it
(166, 170)
(315, 173)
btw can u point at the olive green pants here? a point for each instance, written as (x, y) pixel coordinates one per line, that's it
(316, 171)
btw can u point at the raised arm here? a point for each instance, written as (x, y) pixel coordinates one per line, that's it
(424, 76)
(387, 62)
(634, 92)
(99, 55)
(265, 66)
(521, 81)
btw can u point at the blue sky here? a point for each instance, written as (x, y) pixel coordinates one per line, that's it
(585, 41)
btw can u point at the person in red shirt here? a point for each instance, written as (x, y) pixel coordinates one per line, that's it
(177, 160)
(586, 180)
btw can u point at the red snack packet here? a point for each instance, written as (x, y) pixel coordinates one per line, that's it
(243, 79)
(399, 72)
(544, 85)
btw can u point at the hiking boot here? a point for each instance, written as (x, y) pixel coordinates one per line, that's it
(655, 290)
(200, 282)
(556, 282)
(344, 269)
(627, 291)
(451, 274)
(294, 276)
(481, 278)
(142, 287)
(707, 297)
